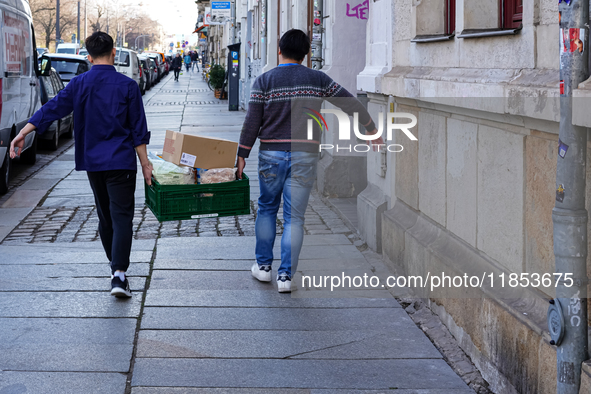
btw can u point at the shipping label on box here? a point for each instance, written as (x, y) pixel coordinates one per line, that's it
(200, 152)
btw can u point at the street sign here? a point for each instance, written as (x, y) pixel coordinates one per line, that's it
(221, 9)
(172, 44)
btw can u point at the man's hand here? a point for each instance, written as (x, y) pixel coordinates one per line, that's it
(377, 141)
(147, 172)
(17, 143)
(240, 164)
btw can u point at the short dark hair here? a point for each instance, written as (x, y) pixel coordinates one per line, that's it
(99, 44)
(295, 44)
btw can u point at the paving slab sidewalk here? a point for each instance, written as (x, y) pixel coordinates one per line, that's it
(204, 328)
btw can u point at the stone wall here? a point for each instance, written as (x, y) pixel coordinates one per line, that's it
(472, 192)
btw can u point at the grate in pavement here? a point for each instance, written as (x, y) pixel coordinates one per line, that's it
(184, 91)
(168, 103)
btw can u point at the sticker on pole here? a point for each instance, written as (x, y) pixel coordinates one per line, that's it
(560, 193)
(572, 40)
(562, 149)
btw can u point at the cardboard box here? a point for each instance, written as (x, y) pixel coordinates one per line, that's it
(199, 152)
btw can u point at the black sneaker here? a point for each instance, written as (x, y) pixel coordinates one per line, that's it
(119, 288)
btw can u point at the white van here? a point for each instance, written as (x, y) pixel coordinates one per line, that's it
(70, 49)
(20, 94)
(127, 63)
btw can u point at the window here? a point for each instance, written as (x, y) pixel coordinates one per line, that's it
(49, 88)
(58, 85)
(450, 16)
(512, 11)
(489, 18)
(68, 51)
(435, 20)
(122, 58)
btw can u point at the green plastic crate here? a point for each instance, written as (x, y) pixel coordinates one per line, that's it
(183, 202)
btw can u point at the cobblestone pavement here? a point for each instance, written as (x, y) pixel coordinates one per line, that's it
(80, 224)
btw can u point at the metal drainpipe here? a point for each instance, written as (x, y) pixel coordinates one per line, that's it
(317, 32)
(567, 316)
(263, 42)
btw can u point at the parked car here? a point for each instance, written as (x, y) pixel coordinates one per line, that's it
(83, 52)
(154, 69)
(162, 61)
(158, 60)
(19, 84)
(51, 85)
(68, 66)
(127, 63)
(41, 51)
(147, 70)
(68, 48)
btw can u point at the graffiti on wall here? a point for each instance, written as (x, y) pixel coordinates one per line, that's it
(360, 11)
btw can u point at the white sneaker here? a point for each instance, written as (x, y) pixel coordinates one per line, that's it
(261, 272)
(283, 283)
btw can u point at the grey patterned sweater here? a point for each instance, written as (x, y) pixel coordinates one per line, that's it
(281, 102)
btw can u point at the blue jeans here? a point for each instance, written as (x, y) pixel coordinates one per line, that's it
(292, 175)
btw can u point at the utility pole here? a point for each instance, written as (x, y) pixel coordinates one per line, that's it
(567, 315)
(85, 22)
(78, 25)
(317, 35)
(57, 23)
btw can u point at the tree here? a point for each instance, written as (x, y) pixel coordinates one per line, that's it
(44, 18)
(135, 21)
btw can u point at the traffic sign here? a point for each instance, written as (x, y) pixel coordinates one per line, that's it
(221, 9)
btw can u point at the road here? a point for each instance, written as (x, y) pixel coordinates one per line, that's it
(198, 321)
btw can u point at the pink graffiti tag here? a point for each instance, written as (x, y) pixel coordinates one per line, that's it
(360, 11)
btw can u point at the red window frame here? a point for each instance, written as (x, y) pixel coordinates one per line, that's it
(511, 13)
(450, 16)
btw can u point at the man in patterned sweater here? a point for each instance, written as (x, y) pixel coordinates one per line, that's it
(288, 156)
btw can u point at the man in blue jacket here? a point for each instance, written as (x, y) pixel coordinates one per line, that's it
(110, 128)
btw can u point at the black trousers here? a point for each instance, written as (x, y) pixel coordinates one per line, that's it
(176, 73)
(114, 195)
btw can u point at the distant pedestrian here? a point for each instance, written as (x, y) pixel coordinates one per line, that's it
(110, 129)
(188, 62)
(177, 63)
(195, 60)
(287, 163)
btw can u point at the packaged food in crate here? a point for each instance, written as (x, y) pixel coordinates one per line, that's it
(167, 173)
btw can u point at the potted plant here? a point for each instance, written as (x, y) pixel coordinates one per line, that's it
(217, 75)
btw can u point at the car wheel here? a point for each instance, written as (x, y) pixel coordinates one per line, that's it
(5, 173)
(30, 155)
(55, 141)
(70, 133)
